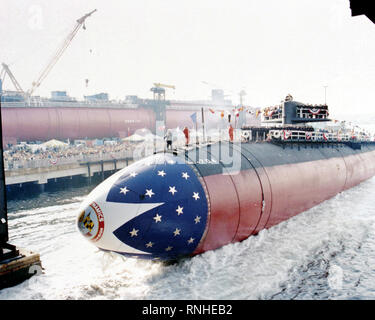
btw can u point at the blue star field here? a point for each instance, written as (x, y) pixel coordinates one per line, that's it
(172, 229)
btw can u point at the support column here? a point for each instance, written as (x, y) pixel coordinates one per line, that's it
(88, 172)
(102, 169)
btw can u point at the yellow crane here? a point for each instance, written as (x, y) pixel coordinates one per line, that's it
(159, 91)
(161, 85)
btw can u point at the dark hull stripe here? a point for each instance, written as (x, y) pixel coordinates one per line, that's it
(236, 157)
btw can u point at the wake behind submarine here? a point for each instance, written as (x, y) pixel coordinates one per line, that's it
(182, 203)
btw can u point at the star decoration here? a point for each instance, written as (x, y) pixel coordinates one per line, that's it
(179, 210)
(146, 194)
(177, 232)
(124, 190)
(191, 240)
(149, 193)
(157, 218)
(161, 173)
(134, 232)
(172, 190)
(185, 175)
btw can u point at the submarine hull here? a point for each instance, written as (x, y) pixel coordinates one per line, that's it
(276, 183)
(230, 192)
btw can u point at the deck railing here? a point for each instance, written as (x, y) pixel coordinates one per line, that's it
(300, 135)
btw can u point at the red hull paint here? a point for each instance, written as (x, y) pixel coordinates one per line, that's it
(224, 216)
(74, 123)
(37, 123)
(236, 199)
(360, 167)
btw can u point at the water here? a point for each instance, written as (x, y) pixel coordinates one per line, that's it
(326, 252)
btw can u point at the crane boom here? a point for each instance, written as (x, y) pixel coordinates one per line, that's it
(59, 52)
(12, 77)
(161, 85)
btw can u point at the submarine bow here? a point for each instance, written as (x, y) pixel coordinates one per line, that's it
(172, 205)
(155, 208)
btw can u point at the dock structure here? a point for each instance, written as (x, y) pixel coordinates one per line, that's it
(86, 167)
(16, 265)
(21, 266)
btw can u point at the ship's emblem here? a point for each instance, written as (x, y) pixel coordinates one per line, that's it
(88, 223)
(91, 222)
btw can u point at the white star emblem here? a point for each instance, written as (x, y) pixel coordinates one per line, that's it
(149, 245)
(116, 219)
(161, 173)
(185, 175)
(134, 233)
(169, 248)
(172, 190)
(157, 218)
(197, 219)
(191, 240)
(124, 190)
(149, 193)
(177, 232)
(196, 195)
(179, 210)
(133, 174)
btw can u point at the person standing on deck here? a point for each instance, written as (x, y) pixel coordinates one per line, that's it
(186, 133)
(230, 133)
(169, 137)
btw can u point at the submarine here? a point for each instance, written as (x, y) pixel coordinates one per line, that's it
(181, 203)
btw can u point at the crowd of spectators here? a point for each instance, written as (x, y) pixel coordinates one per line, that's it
(273, 112)
(26, 152)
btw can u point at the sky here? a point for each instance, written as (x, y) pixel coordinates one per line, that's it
(268, 48)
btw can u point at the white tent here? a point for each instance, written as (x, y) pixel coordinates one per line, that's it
(134, 138)
(54, 144)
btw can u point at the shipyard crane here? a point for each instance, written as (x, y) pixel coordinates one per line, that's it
(161, 85)
(59, 52)
(241, 94)
(159, 91)
(6, 71)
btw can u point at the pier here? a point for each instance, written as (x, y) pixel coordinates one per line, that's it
(40, 172)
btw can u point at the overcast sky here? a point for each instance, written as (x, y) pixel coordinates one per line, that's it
(268, 48)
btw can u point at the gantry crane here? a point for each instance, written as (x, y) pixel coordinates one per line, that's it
(159, 91)
(59, 52)
(241, 94)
